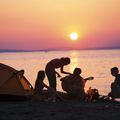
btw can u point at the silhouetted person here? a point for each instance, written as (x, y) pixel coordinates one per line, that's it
(50, 69)
(115, 86)
(39, 84)
(51, 94)
(74, 84)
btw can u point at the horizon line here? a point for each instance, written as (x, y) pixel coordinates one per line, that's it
(56, 49)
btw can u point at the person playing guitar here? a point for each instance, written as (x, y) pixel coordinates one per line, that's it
(74, 84)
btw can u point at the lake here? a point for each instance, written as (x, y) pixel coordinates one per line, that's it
(95, 63)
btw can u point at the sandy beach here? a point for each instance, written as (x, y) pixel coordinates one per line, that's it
(68, 110)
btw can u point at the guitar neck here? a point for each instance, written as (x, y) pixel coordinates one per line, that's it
(89, 78)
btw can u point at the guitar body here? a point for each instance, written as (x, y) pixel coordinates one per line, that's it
(67, 82)
(71, 83)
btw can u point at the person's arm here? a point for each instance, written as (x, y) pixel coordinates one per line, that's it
(62, 71)
(58, 75)
(45, 85)
(49, 88)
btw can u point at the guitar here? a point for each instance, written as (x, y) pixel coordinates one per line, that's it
(67, 82)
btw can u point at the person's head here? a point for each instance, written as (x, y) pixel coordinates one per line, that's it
(41, 75)
(65, 61)
(77, 71)
(114, 71)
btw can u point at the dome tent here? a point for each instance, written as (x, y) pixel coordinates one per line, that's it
(13, 84)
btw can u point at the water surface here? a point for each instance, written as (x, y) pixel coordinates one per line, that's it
(95, 63)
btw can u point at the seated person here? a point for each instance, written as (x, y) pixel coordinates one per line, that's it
(74, 84)
(39, 93)
(39, 84)
(115, 86)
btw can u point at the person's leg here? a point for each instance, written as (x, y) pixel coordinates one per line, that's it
(52, 79)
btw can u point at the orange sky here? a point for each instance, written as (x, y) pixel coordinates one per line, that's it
(46, 24)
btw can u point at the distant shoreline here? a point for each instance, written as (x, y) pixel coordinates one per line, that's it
(48, 50)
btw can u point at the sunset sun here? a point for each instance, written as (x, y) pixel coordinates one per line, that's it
(73, 36)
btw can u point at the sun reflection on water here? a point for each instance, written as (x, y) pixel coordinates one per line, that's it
(74, 60)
